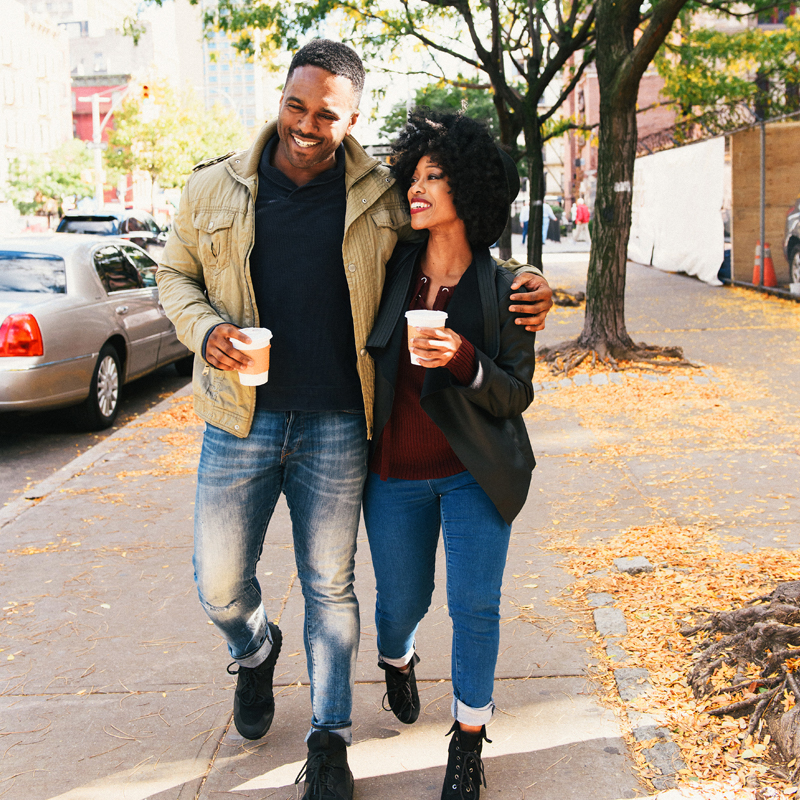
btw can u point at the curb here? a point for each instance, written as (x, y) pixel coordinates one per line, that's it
(663, 756)
(80, 463)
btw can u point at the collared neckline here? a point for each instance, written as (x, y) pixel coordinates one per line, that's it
(273, 174)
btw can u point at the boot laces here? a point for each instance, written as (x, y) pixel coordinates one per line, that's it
(402, 691)
(247, 684)
(317, 774)
(470, 761)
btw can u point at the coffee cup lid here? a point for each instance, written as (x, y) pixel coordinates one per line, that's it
(259, 336)
(420, 316)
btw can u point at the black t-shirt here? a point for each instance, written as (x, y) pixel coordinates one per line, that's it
(301, 291)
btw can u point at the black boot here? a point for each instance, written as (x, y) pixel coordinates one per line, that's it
(327, 775)
(253, 703)
(464, 775)
(401, 691)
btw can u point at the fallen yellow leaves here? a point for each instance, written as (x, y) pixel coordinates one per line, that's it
(180, 415)
(693, 572)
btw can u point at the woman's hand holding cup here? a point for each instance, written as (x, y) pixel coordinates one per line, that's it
(434, 347)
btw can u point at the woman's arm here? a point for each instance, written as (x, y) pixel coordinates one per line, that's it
(503, 386)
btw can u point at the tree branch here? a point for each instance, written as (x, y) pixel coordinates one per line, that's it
(413, 31)
(588, 58)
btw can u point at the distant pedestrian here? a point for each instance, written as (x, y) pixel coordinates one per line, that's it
(582, 216)
(547, 215)
(524, 217)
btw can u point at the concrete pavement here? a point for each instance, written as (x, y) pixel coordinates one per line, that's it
(113, 683)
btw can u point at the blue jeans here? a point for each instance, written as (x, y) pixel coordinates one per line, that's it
(403, 519)
(318, 460)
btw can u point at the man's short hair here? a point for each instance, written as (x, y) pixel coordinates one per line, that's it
(335, 57)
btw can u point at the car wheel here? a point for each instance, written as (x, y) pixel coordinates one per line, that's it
(185, 367)
(794, 264)
(101, 407)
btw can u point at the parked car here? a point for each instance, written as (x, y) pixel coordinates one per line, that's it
(791, 241)
(134, 225)
(79, 317)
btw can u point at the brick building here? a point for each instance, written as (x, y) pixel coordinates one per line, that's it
(580, 149)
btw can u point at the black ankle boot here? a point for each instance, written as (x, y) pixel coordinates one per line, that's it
(401, 691)
(464, 775)
(253, 702)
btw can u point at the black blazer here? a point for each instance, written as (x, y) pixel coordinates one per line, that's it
(483, 422)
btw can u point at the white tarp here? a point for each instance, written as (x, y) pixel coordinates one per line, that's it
(677, 203)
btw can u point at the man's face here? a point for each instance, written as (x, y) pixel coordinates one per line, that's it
(317, 110)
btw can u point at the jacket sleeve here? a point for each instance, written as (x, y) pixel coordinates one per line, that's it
(181, 285)
(503, 386)
(513, 266)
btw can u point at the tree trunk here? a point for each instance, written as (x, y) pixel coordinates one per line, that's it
(536, 182)
(604, 324)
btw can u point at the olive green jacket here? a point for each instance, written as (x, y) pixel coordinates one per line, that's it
(204, 276)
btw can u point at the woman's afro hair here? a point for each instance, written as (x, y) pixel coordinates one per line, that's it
(468, 156)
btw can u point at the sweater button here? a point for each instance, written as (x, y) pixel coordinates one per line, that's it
(362, 352)
(351, 267)
(363, 199)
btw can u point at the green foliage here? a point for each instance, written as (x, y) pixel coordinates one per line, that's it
(443, 96)
(520, 48)
(720, 81)
(168, 134)
(40, 184)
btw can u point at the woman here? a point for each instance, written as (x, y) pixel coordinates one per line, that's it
(450, 446)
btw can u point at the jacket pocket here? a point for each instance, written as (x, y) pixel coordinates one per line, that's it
(214, 234)
(393, 217)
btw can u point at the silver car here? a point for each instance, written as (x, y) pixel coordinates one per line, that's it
(791, 241)
(79, 317)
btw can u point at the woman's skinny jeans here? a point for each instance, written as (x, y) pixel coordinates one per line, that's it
(403, 518)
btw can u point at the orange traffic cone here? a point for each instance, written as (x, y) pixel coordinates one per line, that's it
(769, 267)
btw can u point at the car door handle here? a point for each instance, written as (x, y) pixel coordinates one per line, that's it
(121, 309)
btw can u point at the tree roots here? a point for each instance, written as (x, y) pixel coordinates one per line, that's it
(568, 355)
(760, 644)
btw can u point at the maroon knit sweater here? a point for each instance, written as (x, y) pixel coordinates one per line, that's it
(411, 446)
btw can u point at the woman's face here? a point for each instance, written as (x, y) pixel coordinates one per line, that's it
(431, 201)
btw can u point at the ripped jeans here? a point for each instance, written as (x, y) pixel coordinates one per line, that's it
(318, 460)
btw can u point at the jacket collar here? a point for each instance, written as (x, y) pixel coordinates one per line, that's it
(357, 162)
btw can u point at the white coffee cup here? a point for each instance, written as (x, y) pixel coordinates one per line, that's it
(258, 349)
(423, 318)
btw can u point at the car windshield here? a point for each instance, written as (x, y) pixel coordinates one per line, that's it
(32, 272)
(105, 227)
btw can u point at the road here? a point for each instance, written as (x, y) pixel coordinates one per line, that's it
(33, 446)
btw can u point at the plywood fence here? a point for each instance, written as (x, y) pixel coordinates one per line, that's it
(782, 188)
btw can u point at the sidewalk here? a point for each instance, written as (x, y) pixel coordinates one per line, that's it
(113, 683)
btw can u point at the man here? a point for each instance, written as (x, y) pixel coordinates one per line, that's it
(294, 234)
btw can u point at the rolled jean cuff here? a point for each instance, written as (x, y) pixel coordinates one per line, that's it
(258, 657)
(346, 732)
(398, 662)
(472, 716)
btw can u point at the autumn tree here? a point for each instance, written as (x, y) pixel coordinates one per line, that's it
(519, 48)
(168, 133)
(719, 81)
(462, 94)
(40, 184)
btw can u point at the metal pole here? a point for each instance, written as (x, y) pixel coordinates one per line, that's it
(98, 155)
(763, 199)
